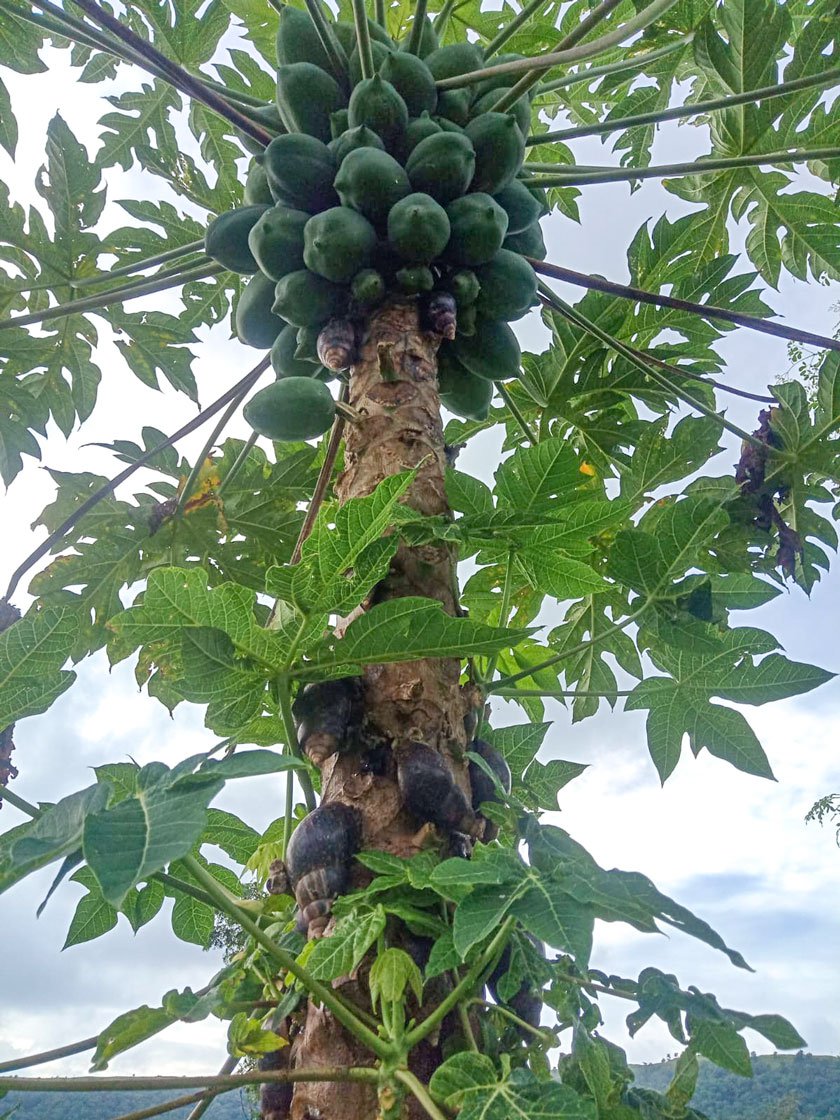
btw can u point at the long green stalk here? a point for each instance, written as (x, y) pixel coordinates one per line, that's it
(419, 1090)
(323, 993)
(206, 1098)
(574, 51)
(634, 62)
(292, 743)
(766, 93)
(49, 1055)
(88, 504)
(228, 1066)
(224, 420)
(363, 38)
(707, 311)
(238, 463)
(665, 170)
(144, 287)
(416, 35)
(515, 411)
(97, 1084)
(142, 265)
(334, 50)
(512, 26)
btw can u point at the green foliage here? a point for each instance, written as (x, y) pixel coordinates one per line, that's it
(604, 510)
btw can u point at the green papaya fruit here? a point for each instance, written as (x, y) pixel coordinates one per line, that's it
(446, 125)
(467, 320)
(413, 81)
(417, 130)
(520, 206)
(375, 103)
(454, 105)
(442, 166)
(257, 189)
(361, 137)
(269, 117)
(306, 97)
(380, 54)
(464, 286)
(295, 408)
(284, 361)
(520, 110)
(414, 279)
(461, 392)
(529, 242)
(478, 227)
(428, 39)
(371, 182)
(499, 150)
(338, 243)
(307, 344)
(276, 241)
(455, 59)
(307, 300)
(492, 352)
(418, 228)
(300, 171)
(226, 239)
(255, 321)
(297, 39)
(367, 288)
(498, 81)
(339, 123)
(508, 287)
(346, 35)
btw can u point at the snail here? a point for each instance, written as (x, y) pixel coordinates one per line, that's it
(326, 713)
(318, 861)
(527, 1002)
(440, 314)
(429, 791)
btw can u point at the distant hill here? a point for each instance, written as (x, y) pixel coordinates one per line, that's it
(801, 1087)
(797, 1087)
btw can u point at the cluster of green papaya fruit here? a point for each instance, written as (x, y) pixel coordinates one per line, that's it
(374, 187)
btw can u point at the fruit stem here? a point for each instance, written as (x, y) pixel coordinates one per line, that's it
(416, 36)
(363, 38)
(347, 412)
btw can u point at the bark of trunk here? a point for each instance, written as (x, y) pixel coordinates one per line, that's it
(393, 387)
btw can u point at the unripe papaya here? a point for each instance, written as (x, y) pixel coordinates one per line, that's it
(520, 206)
(307, 343)
(467, 320)
(413, 81)
(464, 286)
(492, 352)
(226, 239)
(295, 408)
(417, 130)
(498, 81)
(529, 242)
(461, 392)
(276, 241)
(338, 243)
(428, 39)
(520, 110)
(446, 125)
(508, 287)
(371, 182)
(300, 172)
(346, 35)
(380, 53)
(454, 59)
(297, 39)
(307, 300)
(499, 150)
(442, 166)
(361, 137)
(306, 97)
(418, 228)
(284, 360)
(257, 189)
(367, 288)
(256, 323)
(478, 227)
(339, 123)
(414, 279)
(269, 117)
(454, 105)
(375, 103)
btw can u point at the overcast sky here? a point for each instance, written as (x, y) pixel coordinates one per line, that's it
(733, 848)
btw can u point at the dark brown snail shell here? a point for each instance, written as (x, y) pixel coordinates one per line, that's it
(326, 715)
(318, 861)
(440, 314)
(429, 791)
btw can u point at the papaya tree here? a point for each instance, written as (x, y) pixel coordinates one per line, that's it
(364, 192)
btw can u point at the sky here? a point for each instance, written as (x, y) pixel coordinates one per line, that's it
(733, 848)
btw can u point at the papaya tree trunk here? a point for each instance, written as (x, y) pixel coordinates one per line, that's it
(394, 389)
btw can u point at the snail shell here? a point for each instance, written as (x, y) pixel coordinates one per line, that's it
(429, 791)
(318, 861)
(440, 314)
(337, 344)
(326, 713)
(481, 785)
